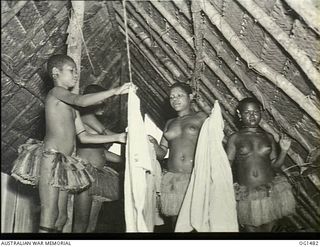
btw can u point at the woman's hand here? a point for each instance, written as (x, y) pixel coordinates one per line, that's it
(123, 137)
(284, 142)
(124, 89)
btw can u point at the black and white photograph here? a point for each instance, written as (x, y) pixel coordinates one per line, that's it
(160, 119)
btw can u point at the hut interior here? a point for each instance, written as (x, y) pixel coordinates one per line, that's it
(225, 49)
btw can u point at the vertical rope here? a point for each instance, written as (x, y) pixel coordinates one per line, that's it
(127, 40)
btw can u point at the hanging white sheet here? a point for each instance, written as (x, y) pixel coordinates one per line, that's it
(141, 173)
(209, 204)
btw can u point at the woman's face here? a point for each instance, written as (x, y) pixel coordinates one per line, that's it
(179, 99)
(250, 115)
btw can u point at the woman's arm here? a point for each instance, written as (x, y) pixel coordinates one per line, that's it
(277, 161)
(92, 121)
(231, 148)
(87, 99)
(86, 137)
(162, 149)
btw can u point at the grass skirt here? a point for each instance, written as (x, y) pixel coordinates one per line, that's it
(265, 203)
(173, 189)
(106, 184)
(26, 168)
(67, 172)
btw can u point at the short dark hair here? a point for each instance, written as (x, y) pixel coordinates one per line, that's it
(57, 61)
(245, 101)
(184, 86)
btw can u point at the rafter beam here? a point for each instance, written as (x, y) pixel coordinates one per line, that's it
(271, 74)
(156, 37)
(148, 55)
(309, 12)
(284, 40)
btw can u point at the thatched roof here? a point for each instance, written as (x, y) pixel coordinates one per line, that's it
(263, 48)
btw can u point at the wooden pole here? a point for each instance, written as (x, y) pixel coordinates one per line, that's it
(309, 12)
(284, 40)
(74, 42)
(159, 41)
(75, 37)
(148, 55)
(260, 66)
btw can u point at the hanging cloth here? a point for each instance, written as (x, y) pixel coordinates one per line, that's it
(140, 172)
(209, 204)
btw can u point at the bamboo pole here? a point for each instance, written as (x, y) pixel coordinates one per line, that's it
(155, 104)
(308, 11)
(304, 214)
(75, 37)
(284, 40)
(154, 26)
(260, 66)
(158, 53)
(7, 16)
(157, 38)
(103, 74)
(147, 54)
(303, 193)
(150, 87)
(308, 209)
(151, 82)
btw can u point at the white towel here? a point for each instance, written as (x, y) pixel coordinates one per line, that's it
(209, 204)
(140, 172)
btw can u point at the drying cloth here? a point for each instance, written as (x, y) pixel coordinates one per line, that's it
(209, 204)
(139, 172)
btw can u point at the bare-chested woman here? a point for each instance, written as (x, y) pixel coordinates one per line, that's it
(106, 182)
(263, 196)
(180, 137)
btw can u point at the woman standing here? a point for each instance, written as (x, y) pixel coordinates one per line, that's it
(106, 182)
(180, 137)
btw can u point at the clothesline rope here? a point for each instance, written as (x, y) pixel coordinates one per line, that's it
(127, 40)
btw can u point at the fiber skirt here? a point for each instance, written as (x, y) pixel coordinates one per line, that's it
(67, 172)
(26, 168)
(106, 184)
(265, 203)
(173, 189)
